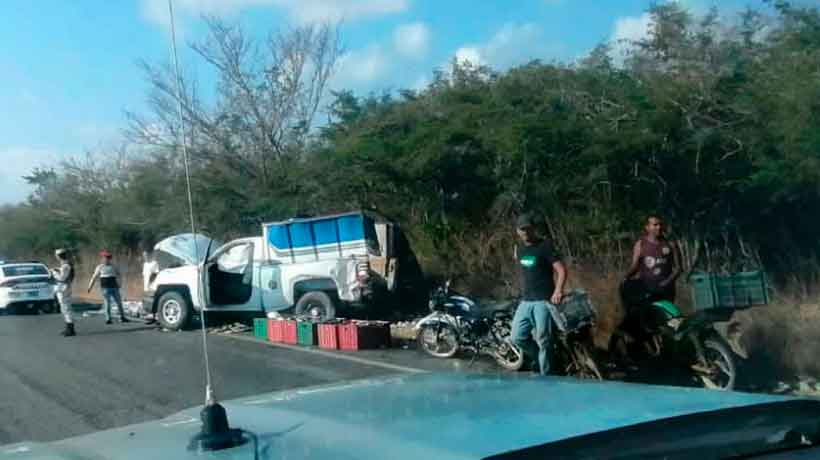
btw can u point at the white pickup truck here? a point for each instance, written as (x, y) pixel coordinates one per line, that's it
(313, 266)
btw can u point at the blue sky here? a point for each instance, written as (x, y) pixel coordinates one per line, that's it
(69, 67)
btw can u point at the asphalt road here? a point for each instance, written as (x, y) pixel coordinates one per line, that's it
(107, 376)
(52, 387)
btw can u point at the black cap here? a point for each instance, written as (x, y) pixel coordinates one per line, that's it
(525, 220)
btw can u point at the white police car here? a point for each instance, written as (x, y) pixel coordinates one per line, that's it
(26, 287)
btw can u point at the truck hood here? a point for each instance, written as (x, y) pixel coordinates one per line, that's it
(435, 416)
(182, 247)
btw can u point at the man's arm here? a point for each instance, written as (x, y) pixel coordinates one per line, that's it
(676, 265)
(94, 278)
(636, 261)
(61, 274)
(560, 278)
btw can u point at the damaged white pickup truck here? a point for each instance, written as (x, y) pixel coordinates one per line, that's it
(313, 266)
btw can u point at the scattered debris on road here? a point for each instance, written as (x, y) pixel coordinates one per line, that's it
(233, 328)
(132, 308)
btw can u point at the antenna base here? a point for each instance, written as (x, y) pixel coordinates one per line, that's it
(216, 434)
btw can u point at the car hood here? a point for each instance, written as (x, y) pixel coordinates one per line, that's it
(415, 417)
(186, 247)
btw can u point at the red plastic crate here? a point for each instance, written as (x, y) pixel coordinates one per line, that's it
(289, 333)
(329, 336)
(361, 336)
(276, 330)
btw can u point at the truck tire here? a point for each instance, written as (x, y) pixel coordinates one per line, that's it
(317, 305)
(173, 311)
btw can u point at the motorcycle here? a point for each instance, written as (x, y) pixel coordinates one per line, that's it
(573, 320)
(690, 342)
(455, 324)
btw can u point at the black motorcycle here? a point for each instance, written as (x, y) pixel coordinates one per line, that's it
(455, 323)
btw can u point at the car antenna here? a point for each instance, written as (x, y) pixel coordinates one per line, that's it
(215, 433)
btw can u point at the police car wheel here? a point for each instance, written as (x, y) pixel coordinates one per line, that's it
(49, 307)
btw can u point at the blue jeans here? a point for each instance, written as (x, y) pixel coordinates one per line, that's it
(532, 320)
(112, 295)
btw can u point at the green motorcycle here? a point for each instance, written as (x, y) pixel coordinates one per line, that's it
(656, 334)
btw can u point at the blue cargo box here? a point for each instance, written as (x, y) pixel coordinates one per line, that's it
(322, 238)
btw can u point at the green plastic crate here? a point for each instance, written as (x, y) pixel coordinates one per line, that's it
(744, 289)
(704, 295)
(738, 290)
(307, 333)
(260, 328)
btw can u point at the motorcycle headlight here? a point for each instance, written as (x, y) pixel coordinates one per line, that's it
(675, 323)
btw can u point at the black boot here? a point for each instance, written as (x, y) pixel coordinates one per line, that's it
(69, 330)
(123, 319)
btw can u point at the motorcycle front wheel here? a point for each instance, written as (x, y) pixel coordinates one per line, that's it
(718, 372)
(439, 340)
(509, 356)
(583, 363)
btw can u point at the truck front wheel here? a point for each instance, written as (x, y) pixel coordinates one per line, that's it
(173, 311)
(316, 305)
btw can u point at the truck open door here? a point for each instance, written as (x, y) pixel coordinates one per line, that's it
(203, 291)
(228, 278)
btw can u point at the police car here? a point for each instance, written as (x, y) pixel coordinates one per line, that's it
(26, 287)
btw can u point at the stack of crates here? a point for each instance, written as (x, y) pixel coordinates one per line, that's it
(737, 290)
(260, 328)
(363, 335)
(331, 335)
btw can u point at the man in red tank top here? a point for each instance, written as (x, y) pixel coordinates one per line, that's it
(656, 261)
(654, 269)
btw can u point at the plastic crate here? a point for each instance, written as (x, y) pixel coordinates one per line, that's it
(276, 330)
(704, 295)
(744, 289)
(328, 336)
(362, 336)
(575, 312)
(306, 333)
(289, 332)
(260, 328)
(738, 290)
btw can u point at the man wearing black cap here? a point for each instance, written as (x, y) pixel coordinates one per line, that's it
(542, 282)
